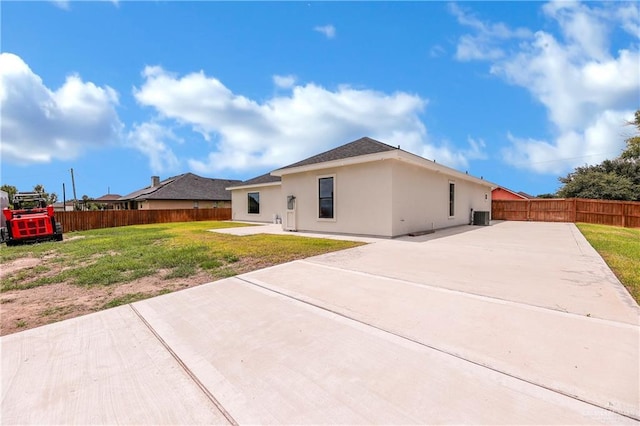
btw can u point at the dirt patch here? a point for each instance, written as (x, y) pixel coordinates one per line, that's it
(24, 309)
(18, 264)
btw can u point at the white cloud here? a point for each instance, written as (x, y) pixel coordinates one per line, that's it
(459, 158)
(484, 44)
(284, 81)
(588, 90)
(629, 16)
(40, 124)
(247, 135)
(151, 139)
(588, 146)
(328, 30)
(66, 4)
(62, 4)
(584, 29)
(436, 51)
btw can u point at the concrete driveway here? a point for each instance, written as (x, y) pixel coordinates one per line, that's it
(516, 323)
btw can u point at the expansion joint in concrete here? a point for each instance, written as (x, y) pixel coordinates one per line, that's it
(264, 286)
(186, 369)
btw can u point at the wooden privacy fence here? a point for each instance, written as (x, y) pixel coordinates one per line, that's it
(86, 220)
(617, 213)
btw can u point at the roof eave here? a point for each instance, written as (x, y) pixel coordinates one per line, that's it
(256, 185)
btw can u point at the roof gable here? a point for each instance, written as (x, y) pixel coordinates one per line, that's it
(362, 146)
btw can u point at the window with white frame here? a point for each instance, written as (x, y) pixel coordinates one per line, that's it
(326, 198)
(452, 199)
(253, 201)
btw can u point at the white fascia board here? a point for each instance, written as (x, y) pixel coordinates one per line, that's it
(257, 185)
(337, 163)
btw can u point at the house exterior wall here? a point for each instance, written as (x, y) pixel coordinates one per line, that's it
(421, 199)
(271, 203)
(385, 198)
(181, 204)
(362, 199)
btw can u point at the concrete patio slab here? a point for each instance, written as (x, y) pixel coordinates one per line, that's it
(270, 359)
(555, 350)
(548, 265)
(103, 368)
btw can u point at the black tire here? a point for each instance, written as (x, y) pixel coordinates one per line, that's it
(58, 231)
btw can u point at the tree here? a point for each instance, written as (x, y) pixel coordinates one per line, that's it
(11, 190)
(596, 184)
(628, 167)
(633, 143)
(49, 198)
(89, 204)
(617, 179)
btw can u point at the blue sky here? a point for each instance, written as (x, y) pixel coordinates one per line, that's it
(517, 92)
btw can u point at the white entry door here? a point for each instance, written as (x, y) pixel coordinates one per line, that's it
(290, 217)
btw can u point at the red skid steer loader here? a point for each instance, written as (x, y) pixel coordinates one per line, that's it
(30, 220)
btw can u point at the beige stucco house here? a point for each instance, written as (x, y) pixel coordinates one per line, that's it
(365, 187)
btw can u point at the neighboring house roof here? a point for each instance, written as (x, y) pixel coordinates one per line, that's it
(524, 194)
(362, 146)
(187, 186)
(521, 195)
(107, 198)
(263, 180)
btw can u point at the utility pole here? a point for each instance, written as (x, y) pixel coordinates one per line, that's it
(73, 184)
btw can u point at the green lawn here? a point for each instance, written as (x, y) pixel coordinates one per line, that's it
(620, 248)
(105, 257)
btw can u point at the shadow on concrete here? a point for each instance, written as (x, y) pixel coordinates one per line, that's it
(446, 232)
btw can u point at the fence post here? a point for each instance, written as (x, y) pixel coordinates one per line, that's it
(575, 210)
(624, 214)
(528, 210)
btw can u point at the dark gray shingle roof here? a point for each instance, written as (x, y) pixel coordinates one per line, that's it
(265, 178)
(186, 187)
(362, 146)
